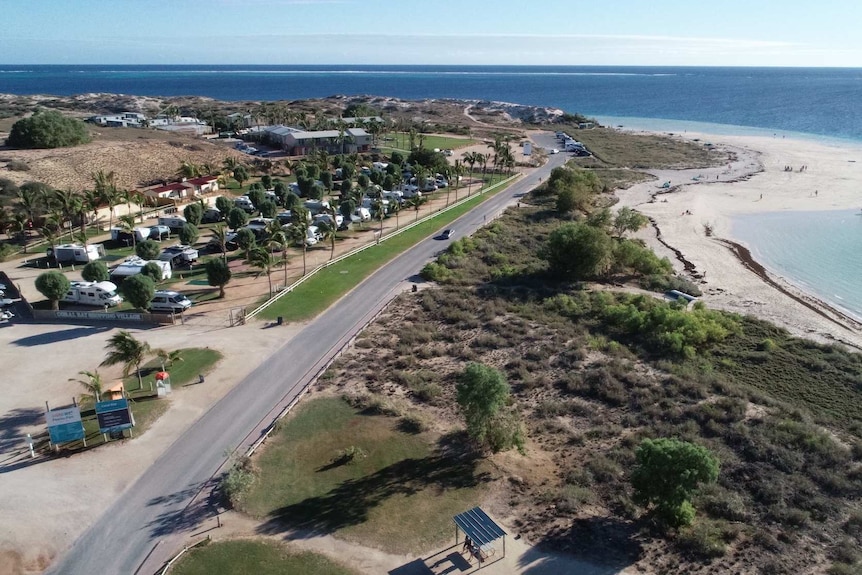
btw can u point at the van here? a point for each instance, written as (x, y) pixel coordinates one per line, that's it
(173, 222)
(244, 204)
(170, 302)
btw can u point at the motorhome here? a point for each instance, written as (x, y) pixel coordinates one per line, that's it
(327, 218)
(245, 204)
(173, 222)
(316, 206)
(361, 214)
(134, 265)
(77, 253)
(93, 293)
(312, 235)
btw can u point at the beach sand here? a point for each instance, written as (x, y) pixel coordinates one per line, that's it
(754, 180)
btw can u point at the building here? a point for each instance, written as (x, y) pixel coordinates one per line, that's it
(361, 120)
(123, 120)
(178, 191)
(301, 143)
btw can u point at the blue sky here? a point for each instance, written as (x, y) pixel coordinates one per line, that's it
(553, 32)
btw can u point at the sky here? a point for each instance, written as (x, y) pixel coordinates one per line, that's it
(495, 32)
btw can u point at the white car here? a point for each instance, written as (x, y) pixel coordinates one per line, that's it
(555, 151)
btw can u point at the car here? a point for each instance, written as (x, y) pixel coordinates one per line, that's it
(447, 234)
(158, 232)
(555, 151)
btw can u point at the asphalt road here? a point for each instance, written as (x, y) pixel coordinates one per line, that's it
(162, 502)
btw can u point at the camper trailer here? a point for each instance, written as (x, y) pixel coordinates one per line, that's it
(93, 293)
(134, 265)
(173, 222)
(77, 253)
(179, 255)
(123, 236)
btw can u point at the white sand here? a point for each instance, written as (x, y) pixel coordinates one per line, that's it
(830, 182)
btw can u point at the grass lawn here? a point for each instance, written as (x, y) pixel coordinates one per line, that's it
(254, 558)
(193, 362)
(401, 142)
(329, 284)
(399, 497)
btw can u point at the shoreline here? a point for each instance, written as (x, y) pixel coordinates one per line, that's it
(692, 225)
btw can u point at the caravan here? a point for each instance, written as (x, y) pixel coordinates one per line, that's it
(134, 265)
(77, 253)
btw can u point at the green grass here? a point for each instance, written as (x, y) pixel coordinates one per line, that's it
(400, 497)
(195, 361)
(255, 558)
(613, 148)
(402, 142)
(329, 284)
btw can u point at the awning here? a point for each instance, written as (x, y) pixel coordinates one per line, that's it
(480, 528)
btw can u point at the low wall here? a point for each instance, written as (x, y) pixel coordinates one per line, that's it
(156, 318)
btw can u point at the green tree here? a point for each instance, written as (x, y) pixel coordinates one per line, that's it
(223, 204)
(482, 393)
(53, 285)
(236, 218)
(628, 220)
(240, 174)
(93, 383)
(256, 196)
(124, 349)
(168, 358)
(246, 241)
(668, 473)
(139, 290)
(107, 192)
(218, 274)
(193, 213)
(152, 271)
(268, 209)
(148, 250)
(219, 236)
(578, 251)
(96, 271)
(189, 234)
(47, 129)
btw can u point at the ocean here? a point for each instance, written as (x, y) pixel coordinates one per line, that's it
(821, 253)
(818, 101)
(820, 256)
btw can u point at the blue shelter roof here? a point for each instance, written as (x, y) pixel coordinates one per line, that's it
(476, 525)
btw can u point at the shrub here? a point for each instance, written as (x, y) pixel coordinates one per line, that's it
(148, 250)
(703, 540)
(152, 271)
(47, 129)
(193, 213)
(96, 271)
(412, 424)
(17, 166)
(139, 290)
(53, 285)
(236, 482)
(189, 234)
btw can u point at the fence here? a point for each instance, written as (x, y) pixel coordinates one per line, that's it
(156, 318)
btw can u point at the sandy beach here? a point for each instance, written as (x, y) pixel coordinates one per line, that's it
(754, 180)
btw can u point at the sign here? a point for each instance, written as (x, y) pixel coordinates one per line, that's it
(64, 425)
(114, 415)
(118, 316)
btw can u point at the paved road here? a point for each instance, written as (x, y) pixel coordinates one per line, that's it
(162, 502)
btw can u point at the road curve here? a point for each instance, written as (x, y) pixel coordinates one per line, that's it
(157, 505)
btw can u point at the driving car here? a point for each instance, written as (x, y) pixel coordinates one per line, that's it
(447, 234)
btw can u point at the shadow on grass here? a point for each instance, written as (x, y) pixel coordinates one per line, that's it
(591, 545)
(349, 503)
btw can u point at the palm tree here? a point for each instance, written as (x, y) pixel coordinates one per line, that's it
(67, 201)
(140, 200)
(279, 238)
(483, 159)
(91, 201)
(125, 349)
(261, 258)
(219, 236)
(189, 170)
(298, 232)
(167, 358)
(30, 204)
(329, 232)
(230, 164)
(416, 202)
(127, 225)
(472, 160)
(93, 383)
(106, 189)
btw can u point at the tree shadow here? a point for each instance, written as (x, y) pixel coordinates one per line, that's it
(605, 545)
(350, 502)
(12, 424)
(189, 516)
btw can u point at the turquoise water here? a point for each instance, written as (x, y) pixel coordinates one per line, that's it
(819, 252)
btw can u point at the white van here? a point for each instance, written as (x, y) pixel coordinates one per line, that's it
(245, 204)
(170, 302)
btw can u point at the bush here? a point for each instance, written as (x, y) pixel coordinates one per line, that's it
(193, 213)
(236, 482)
(17, 166)
(189, 234)
(95, 272)
(47, 129)
(152, 271)
(53, 285)
(148, 249)
(703, 540)
(139, 290)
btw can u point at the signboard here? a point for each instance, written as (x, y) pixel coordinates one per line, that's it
(118, 316)
(64, 425)
(114, 415)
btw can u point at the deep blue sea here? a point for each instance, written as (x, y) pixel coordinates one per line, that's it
(816, 101)
(811, 102)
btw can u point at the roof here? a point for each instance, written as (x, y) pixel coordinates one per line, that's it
(202, 180)
(170, 187)
(476, 525)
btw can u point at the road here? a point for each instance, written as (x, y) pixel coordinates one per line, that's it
(162, 502)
